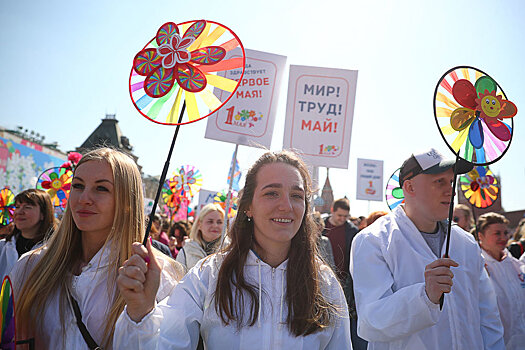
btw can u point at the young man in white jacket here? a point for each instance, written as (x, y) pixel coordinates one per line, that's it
(399, 275)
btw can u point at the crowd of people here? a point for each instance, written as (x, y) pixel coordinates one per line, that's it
(283, 276)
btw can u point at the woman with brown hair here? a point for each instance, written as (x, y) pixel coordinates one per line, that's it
(70, 281)
(266, 290)
(33, 220)
(507, 275)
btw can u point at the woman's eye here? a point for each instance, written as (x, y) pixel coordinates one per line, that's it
(271, 194)
(102, 188)
(298, 196)
(77, 186)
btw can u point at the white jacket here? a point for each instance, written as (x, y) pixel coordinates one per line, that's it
(8, 256)
(90, 290)
(508, 279)
(190, 310)
(190, 254)
(387, 264)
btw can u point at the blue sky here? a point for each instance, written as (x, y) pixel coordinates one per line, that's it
(66, 64)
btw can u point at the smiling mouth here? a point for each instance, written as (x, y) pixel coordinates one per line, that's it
(284, 221)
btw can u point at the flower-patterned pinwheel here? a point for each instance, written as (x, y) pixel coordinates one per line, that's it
(7, 206)
(221, 197)
(188, 181)
(170, 195)
(393, 193)
(473, 115)
(181, 64)
(57, 183)
(480, 187)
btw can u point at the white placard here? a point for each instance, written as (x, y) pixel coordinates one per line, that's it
(248, 117)
(369, 180)
(319, 114)
(205, 197)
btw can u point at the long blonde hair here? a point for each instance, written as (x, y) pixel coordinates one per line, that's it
(53, 272)
(196, 233)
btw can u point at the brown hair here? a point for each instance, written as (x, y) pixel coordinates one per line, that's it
(520, 231)
(467, 212)
(308, 310)
(43, 201)
(374, 216)
(488, 219)
(342, 203)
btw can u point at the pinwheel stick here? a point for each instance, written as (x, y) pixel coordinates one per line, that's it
(163, 176)
(449, 224)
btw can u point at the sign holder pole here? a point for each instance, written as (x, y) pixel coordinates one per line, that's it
(228, 197)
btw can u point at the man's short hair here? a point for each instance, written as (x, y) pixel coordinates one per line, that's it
(342, 203)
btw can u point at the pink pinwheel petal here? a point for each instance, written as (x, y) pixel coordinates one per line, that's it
(499, 130)
(159, 83)
(190, 78)
(146, 61)
(165, 50)
(195, 29)
(165, 33)
(208, 55)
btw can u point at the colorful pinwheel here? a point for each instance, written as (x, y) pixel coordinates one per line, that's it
(7, 315)
(473, 115)
(221, 197)
(480, 187)
(7, 206)
(188, 181)
(181, 64)
(57, 183)
(170, 195)
(393, 192)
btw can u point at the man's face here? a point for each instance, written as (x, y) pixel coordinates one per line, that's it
(340, 216)
(431, 195)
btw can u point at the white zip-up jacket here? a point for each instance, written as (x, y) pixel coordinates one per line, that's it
(90, 290)
(190, 310)
(508, 279)
(387, 264)
(8, 256)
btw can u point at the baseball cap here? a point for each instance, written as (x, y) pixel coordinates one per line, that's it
(430, 162)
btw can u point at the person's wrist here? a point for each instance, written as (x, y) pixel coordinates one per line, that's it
(137, 314)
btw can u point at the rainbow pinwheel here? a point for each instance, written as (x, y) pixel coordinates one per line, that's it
(170, 195)
(7, 206)
(188, 181)
(473, 115)
(181, 64)
(57, 183)
(221, 198)
(7, 315)
(480, 187)
(393, 192)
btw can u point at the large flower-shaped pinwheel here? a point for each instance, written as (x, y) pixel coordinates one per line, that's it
(480, 187)
(175, 70)
(7, 206)
(188, 181)
(171, 61)
(470, 112)
(222, 197)
(170, 195)
(57, 183)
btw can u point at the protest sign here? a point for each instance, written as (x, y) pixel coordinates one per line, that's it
(369, 180)
(248, 117)
(205, 197)
(319, 114)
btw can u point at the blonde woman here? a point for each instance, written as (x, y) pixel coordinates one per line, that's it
(204, 236)
(79, 264)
